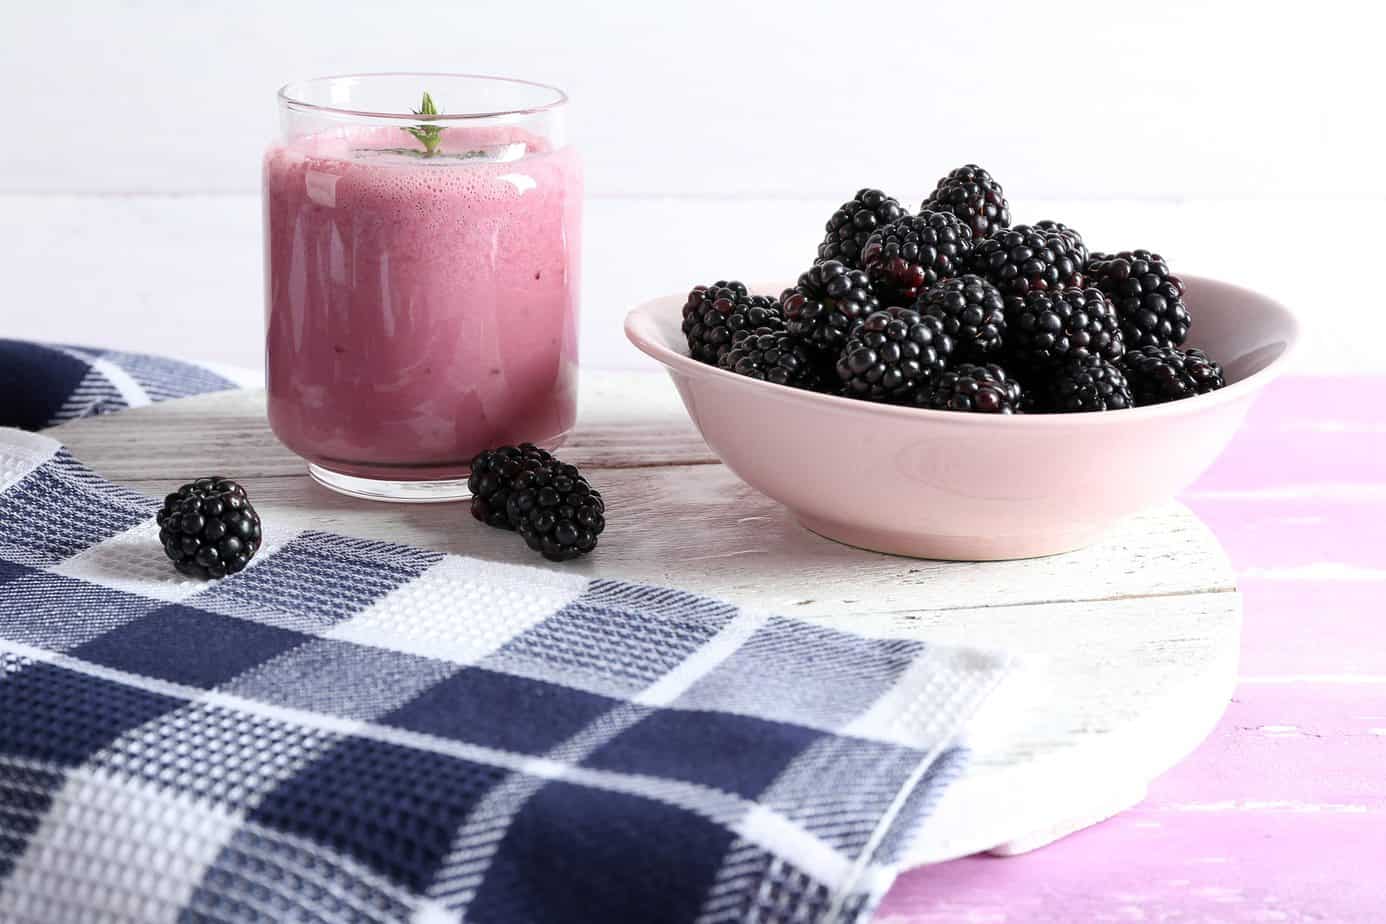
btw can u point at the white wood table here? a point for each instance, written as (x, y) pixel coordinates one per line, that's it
(1134, 641)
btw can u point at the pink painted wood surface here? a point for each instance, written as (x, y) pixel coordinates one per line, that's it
(1281, 814)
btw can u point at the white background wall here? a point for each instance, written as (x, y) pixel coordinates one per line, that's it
(1242, 140)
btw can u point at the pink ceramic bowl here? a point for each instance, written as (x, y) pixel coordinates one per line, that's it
(973, 487)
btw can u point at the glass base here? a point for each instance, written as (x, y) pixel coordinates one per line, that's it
(400, 492)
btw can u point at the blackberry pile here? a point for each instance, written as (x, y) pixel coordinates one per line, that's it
(548, 502)
(774, 356)
(1160, 374)
(851, 225)
(970, 193)
(893, 352)
(1046, 328)
(956, 309)
(1148, 298)
(713, 314)
(827, 302)
(904, 258)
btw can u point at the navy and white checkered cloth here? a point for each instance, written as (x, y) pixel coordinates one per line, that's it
(45, 384)
(352, 730)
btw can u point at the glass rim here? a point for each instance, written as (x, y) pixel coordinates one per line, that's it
(286, 97)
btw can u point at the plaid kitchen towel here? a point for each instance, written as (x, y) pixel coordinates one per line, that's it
(351, 730)
(46, 384)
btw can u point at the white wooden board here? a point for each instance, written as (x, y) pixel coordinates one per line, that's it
(1133, 642)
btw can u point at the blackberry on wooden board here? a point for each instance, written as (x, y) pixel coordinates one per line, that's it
(492, 476)
(556, 511)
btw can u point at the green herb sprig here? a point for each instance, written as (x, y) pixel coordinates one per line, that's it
(430, 136)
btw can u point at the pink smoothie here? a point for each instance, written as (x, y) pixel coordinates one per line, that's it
(420, 310)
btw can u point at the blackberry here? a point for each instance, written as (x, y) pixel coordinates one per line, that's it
(556, 511)
(970, 193)
(972, 312)
(826, 302)
(1160, 374)
(713, 313)
(773, 356)
(208, 528)
(1075, 239)
(1087, 383)
(1044, 328)
(982, 389)
(850, 226)
(1149, 298)
(493, 474)
(904, 258)
(1024, 259)
(893, 352)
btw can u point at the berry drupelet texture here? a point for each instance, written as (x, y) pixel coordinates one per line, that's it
(1044, 328)
(970, 193)
(904, 258)
(712, 314)
(1086, 383)
(850, 226)
(892, 353)
(827, 301)
(973, 314)
(1027, 259)
(208, 528)
(1079, 248)
(774, 356)
(980, 389)
(493, 475)
(1160, 374)
(556, 511)
(1149, 298)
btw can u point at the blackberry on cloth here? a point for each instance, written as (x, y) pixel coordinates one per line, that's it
(208, 528)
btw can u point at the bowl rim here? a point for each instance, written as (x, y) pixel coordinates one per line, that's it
(640, 331)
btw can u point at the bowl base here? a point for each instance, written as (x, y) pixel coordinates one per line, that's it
(952, 548)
